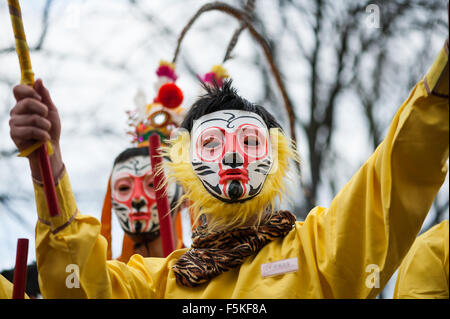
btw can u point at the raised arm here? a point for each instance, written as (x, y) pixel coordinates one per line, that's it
(371, 223)
(70, 252)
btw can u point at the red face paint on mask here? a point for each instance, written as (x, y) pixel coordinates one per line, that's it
(133, 195)
(231, 154)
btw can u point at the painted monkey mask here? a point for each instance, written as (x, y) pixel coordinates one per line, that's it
(231, 158)
(133, 197)
(231, 154)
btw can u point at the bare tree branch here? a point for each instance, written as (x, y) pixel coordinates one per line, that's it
(44, 30)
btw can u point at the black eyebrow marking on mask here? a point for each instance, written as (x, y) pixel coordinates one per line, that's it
(135, 167)
(142, 167)
(123, 167)
(231, 119)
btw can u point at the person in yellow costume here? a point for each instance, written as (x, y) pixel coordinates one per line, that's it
(130, 192)
(423, 273)
(231, 160)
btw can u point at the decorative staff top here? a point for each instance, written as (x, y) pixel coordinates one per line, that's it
(21, 43)
(161, 116)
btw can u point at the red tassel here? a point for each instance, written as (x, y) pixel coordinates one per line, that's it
(170, 95)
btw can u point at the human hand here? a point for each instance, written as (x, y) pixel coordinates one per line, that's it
(34, 119)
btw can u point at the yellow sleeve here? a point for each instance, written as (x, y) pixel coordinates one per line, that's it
(71, 255)
(360, 240)
(6, 289)
(423, 273)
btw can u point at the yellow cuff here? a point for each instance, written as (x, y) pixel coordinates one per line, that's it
(66, 201)
(436, 81)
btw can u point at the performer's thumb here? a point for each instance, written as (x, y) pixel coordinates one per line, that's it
(45, 94)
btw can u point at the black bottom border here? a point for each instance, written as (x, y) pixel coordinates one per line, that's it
(219, 308)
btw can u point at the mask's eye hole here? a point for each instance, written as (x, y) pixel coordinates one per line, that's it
(251, 141)
(210, 142)
(149, 186)
(124, 188)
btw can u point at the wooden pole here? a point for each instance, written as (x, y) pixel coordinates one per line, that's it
(162, 201)
(27, 77)
(20, 269)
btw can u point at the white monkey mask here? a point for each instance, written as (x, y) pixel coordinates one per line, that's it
(231, 154)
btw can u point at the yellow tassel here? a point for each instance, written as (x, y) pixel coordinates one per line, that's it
(169, 64)
(34, 147)
(220, 71)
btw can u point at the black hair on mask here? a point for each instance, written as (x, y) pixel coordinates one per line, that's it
(131, 152)
(224, 98)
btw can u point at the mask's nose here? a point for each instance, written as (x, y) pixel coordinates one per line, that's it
(233, 159)
(138, 199)
(138, 203)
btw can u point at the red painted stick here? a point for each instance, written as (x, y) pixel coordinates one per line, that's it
(20, 270)
(49, 184)
(162, 201)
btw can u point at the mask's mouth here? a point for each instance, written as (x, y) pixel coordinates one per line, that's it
(139, 216)
(236, 174)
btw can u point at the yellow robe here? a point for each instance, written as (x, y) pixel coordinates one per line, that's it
(6, 289)
(349, 250)
(423, 273)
